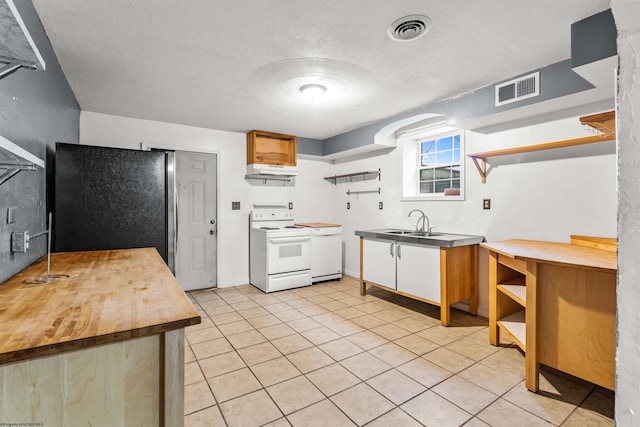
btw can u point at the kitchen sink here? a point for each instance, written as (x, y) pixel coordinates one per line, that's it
(413, 233)
(423, 234)
(399, 232)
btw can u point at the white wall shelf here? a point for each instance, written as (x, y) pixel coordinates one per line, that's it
(14, 159)
(18, 49)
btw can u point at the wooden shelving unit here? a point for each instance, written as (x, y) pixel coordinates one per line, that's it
(604, 122)
(557, 302)
(353, 177)
(515, 327)
(509, 301)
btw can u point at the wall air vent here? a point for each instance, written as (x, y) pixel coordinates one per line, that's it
(518, 89)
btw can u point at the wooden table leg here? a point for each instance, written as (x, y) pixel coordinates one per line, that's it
(531, 346)
(494, 332)
(445, 304)
(363, 286)
(473, 299)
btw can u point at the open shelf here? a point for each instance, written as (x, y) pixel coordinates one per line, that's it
(515, 326)
(518, 293)
(353, 177)
(603, 122)
(18, 47)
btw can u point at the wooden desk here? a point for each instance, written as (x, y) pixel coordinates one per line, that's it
(557, 301)
(102, 347)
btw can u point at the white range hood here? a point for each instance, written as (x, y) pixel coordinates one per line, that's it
(269, 169)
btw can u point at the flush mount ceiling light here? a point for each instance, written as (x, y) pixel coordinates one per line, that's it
(410, 27)
(313, 92)
(341, 83)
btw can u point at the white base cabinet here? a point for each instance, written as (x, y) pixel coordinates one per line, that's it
(418, 271)
(437, 275)
(380, 264)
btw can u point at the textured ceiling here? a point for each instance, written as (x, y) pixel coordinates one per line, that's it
(236, 65)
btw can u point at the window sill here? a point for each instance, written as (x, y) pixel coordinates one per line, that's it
(431, 198)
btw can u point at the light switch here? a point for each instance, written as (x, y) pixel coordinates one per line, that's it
(11, 214)
(235, 206)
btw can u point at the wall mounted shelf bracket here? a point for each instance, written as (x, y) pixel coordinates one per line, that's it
(18, 49)
(353, 177)
(349, 192)
(14, 159)
(265, 178)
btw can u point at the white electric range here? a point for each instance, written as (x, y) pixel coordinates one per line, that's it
(279, 251)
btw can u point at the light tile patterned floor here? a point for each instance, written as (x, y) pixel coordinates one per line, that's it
(325, 356)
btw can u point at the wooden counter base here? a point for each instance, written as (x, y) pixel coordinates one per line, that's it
(113, 384)
(569, 304)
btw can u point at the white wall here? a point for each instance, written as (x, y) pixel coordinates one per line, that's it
(627, 410)
(539, 200)
(311, 198)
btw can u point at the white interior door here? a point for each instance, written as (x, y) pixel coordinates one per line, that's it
(196, 257)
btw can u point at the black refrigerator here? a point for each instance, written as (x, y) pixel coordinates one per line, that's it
(111, 198)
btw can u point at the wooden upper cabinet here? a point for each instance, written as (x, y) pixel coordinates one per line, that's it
(271, 148)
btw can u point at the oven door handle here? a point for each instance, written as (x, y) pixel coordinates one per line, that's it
(289, 239)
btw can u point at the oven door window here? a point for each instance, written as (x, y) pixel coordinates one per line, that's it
(289, 254)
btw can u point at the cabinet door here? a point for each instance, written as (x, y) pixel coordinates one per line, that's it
(419, 271)
(379, 262)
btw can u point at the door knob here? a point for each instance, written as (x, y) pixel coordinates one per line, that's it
(212, 232)
(213, 221)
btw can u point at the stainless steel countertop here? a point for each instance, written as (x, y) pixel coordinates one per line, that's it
(439, 239)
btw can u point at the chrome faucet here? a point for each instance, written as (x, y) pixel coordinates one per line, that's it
(423, 217)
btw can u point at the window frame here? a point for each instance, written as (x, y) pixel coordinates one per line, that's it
(434, 134)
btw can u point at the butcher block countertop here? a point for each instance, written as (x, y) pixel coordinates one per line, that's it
(571, 255)
(110, 296)
(318, 225)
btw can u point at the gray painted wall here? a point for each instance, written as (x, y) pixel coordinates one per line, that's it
(37, 109)
(556, 80)
(309, 146)
(593, 38)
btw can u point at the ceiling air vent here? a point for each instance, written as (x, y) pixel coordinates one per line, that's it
(517, 89)
(409, 28)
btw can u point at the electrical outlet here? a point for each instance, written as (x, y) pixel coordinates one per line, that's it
(486, 203)
(348, 205)
(290, 205)
(380, 205)
(235, 206)
(19, 241)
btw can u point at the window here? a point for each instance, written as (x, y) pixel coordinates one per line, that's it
(439, 164)
(434, 165)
